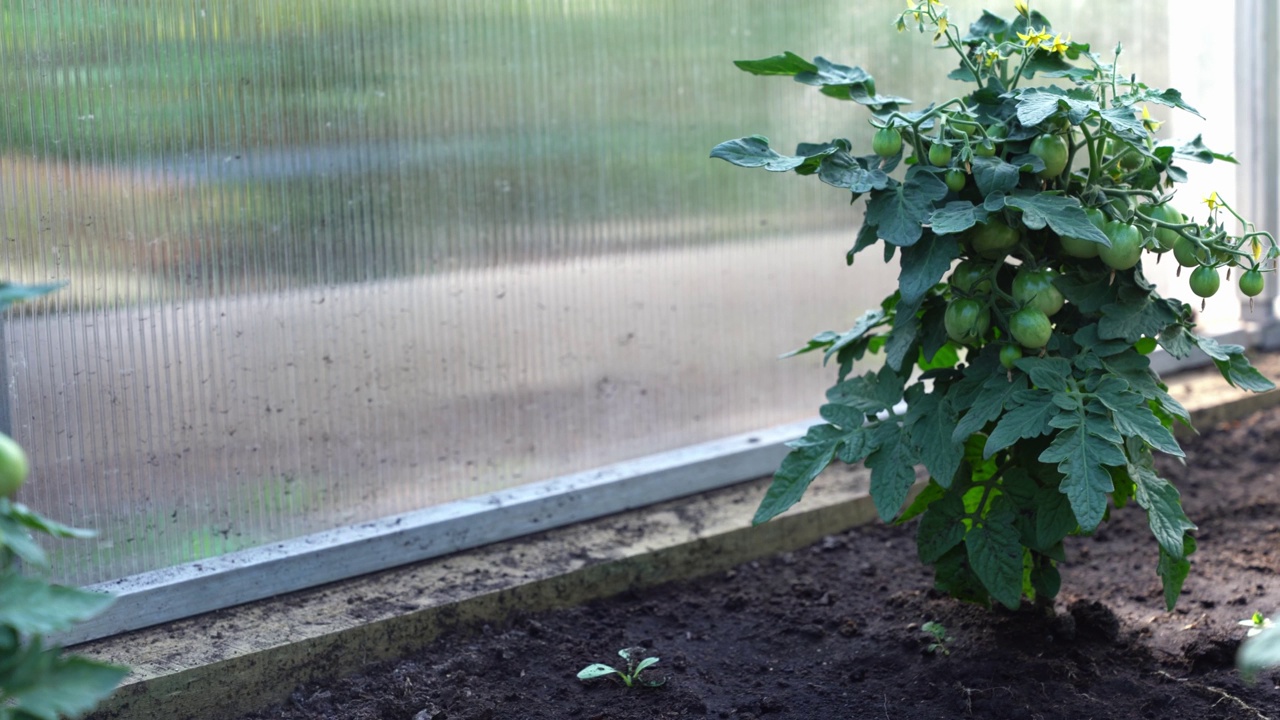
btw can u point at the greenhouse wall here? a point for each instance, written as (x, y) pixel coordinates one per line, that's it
(329, 261)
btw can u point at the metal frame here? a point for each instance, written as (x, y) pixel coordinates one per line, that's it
(244, 576)
(1258, 135)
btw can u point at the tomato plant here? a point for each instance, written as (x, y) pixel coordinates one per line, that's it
(1032, 430)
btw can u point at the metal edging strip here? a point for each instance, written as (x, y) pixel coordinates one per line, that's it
(244, 576)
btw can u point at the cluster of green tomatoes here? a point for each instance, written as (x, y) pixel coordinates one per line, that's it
(1031, 299)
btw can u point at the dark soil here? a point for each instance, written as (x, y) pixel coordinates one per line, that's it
(833, 631)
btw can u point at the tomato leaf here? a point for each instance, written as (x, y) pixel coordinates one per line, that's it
(956, 217)
(1063, 214)
(996, 392)
(892, 470)
(1135, 314)
(833, 343)
(1039, 104)
(1173, 570)
(1082, 457)
(1169, 98)
(1194, 150)
(994, 175)
(928, 422)
(904, 340)
(1050, 373)
(1133, 417)
(996, 557)
(1028, 416)
(940, 528)
(870, 393)
(753, 152)
(1054, 517)
(807, 459)
(787, 63)
(40, 608)
(842, 170)
(900, 212)
(1233, 365)
(64, 687)
(924, 264)
(1169, 523)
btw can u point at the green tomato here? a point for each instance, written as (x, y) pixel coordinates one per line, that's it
(1080, 248)
(1187, 253)
(1164, 213)
(1010, 354)
(1251, 283)
(1035, 288)
(939, 154)
(1132, 160)
(1031, 328)
(966, 128)
(14, 466)
(1126, 245)
(993, 239)
(966, 320)
(1052, 149)
(954, 179)
(971, 276)
(1205, 281)
(984, 148)
(887, 142)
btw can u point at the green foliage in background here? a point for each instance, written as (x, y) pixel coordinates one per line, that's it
(1029, 396)
(38, 681)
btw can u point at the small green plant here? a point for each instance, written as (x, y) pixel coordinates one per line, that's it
(1018, 338)
(631, 677)
(1256, 624)
(938, 632)
(37, 680)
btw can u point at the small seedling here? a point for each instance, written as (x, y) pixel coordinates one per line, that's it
(1256, 624)
(632, 675)
(940, 638)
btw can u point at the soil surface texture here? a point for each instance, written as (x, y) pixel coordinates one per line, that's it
(834, 631)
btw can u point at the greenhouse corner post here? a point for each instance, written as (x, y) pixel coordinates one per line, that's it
(1258, 140)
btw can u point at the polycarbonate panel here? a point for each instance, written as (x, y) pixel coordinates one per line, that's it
(330, 260)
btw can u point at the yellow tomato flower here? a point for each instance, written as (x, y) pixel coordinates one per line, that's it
(1034, 38)
(1257, 249)
(1021, 7)
(991, 56)
(1212, 201)
(942, 29)
(1058, 45)
(1148, 122)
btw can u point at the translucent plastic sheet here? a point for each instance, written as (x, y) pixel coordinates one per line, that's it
(330, 260)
